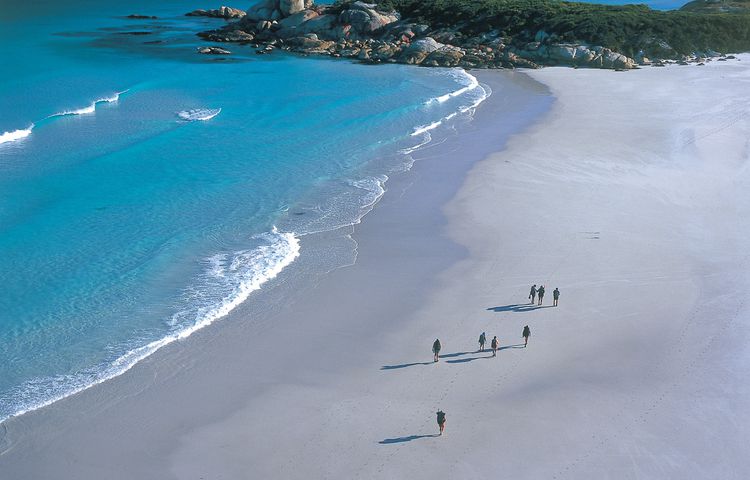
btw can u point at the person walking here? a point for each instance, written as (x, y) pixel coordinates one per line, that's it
(526, 334)
(540, 293)
(436, 349)
(482, 341)
(532, 293)
(441, 420)
(555, 296)
(494, 346)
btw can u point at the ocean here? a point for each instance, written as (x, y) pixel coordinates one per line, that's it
(146, 190)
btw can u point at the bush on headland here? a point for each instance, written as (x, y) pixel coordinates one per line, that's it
(627, 29)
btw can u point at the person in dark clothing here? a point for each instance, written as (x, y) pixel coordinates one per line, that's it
(441, 420)
(494, 346)
(532, 293)
(436, 349)
(555, 296)
(526, 334)
(540, 292)
(482, 341)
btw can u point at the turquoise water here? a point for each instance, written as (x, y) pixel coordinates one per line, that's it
(129, 218)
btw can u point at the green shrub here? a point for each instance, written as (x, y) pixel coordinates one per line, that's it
(627, 28)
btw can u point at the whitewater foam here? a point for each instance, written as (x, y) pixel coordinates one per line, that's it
(90, 108)
(470, 82)
(199, 114)
(473, 85)
(16, 134)
(228, 280)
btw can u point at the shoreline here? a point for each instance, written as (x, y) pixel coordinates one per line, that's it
(628, 196)
(165, 360)
(370, 179)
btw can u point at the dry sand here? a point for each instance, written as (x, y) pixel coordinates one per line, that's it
(631, 196)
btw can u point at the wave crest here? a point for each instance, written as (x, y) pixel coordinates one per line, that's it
(90, 108)
(12, 136)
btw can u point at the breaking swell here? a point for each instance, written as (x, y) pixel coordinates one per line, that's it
(20, 134)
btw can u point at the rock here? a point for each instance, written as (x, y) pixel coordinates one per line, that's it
(427, 44)
(238, 36)
(223, 12)
(263, 25)
(446, 56)
(290, 7)
(309, 45)
(419, 50)
(297, 19)
(262, 10)
(322, 25)
(364, 18)
(616, 60)
(561, 53)
(364, 54)
(135, 16)
(213, 51)
(384, 52)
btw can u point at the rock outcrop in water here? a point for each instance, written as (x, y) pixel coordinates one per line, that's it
(370, 34)
(223, 12)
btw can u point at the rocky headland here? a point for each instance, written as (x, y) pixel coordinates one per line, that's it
(378, 33)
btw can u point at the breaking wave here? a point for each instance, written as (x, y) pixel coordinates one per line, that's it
(228, 279)
(20, 134)
(16, 134)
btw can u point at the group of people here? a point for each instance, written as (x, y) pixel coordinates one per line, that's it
(539, 292)
(495, 344)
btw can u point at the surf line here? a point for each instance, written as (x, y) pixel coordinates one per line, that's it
(21, 133)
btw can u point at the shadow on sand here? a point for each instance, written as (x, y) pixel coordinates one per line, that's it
(518, 307)
(404, 365)
(452, 355)
(389, 441)
(466, 360)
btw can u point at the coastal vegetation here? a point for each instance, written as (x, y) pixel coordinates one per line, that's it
(717, 6)
(489, 33)
(627, 29)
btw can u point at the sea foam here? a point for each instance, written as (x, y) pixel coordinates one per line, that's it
(16, 134)
(479, 94)
(199, 114)
(470, 83)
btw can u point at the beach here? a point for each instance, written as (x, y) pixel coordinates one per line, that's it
(627, 190)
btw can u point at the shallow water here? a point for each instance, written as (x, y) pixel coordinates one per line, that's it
(146, 190)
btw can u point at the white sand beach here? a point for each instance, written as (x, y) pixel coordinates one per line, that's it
(630, 195)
